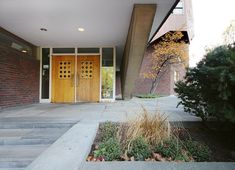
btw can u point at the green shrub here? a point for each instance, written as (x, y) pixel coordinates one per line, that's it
(209, 88)
(139, 149)
(199, 151)
(173, 148)
(147, 96)
(170, 148)
(108, 130)
(109, 150)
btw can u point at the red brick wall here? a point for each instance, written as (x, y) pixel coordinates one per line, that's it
(19, 78)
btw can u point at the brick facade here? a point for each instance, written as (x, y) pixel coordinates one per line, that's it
(19, 78)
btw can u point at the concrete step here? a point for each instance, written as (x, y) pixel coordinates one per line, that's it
(19, 141)
(33, 132)
(19, 156)
(36, 119)
(12, 168)
(30, 136)
(21, 151)
(15, 163)
(23, 139)
(14, 132)
(30, 125)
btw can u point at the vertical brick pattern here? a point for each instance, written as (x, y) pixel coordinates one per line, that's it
(19, 78)
(166, 83)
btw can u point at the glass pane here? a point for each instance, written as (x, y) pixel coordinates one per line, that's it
(107, 82)
(64, 50)
(179, 9)
(45, 72)
(107, 57)
(88, 50)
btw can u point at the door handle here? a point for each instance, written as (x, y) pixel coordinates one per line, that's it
(77, 80)
(72, 82)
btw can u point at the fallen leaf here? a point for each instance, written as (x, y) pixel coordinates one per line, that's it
(132, 158)
(157, 156)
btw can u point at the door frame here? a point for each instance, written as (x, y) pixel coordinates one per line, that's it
(76, 54)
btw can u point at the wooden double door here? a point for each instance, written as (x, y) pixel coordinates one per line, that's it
(75, 79)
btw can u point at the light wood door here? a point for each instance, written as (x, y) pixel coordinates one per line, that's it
(88, 78)
(63, 84)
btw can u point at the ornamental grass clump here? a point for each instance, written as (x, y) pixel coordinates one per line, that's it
(154, 128)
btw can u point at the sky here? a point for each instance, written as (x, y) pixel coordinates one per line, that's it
(211, 18)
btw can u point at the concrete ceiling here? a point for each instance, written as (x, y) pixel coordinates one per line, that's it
(105, 22)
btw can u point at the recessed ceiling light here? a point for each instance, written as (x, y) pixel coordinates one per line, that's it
(24, 51)
(81, 29)
(43, 29)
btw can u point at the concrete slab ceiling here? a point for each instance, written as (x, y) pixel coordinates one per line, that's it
(105, 22)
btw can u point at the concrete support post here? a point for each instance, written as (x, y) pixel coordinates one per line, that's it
(137, 38)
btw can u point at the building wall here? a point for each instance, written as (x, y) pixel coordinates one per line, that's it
(19, 78)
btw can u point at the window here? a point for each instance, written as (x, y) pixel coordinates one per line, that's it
(45, 73)
(88, 50)
(107, 73)
(64, 50)
(107, 57)
(179, 9)
(176, 76)
(107, 82)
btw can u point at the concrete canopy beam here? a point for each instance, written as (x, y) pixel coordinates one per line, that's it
(136, 43)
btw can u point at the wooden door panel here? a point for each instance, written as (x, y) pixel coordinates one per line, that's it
(88, 78)
(63, 87)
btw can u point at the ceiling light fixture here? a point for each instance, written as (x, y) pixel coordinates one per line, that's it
(81, 29)
(43, 29)
(24, 51)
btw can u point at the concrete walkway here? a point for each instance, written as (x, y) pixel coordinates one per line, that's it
(32, 129)
(99, 112)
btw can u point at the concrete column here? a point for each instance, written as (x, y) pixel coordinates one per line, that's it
(136, 43)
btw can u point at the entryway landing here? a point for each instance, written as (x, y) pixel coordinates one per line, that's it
(97, 112)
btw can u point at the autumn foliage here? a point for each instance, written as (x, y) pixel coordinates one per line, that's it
(170, 49)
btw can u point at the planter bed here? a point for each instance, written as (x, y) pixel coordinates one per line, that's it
(195, 143)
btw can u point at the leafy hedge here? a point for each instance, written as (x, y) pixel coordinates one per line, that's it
(209, 88)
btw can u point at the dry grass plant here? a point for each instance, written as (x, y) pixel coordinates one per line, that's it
(154, 128)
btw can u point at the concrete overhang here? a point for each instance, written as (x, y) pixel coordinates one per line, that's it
(106, 22)
(178, 22)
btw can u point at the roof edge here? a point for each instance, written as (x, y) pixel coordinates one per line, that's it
(164, 20)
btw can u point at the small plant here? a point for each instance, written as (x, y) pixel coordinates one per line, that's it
(173, 149)
(199, 151)
(170, 148)
(109, 150)
(139, 149)
(108, 130)
(147, 96)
